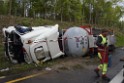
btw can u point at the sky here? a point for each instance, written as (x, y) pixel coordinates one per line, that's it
(121, 4)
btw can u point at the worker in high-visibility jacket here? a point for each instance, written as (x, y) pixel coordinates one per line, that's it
(102, 54)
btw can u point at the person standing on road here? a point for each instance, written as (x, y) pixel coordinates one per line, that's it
(102, 54)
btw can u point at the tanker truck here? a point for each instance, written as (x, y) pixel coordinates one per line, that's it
(43, 43)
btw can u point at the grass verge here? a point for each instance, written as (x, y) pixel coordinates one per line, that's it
(119, 39)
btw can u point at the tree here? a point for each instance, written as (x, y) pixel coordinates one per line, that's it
(69, 10)
(14, 7)
(3, 8)
(104, 12)
(98, 12)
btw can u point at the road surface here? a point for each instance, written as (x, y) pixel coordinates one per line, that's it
(83, 74)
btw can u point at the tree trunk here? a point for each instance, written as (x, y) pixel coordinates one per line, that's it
(54, 15)
(61, 14)
(61, 17)
(10, 7)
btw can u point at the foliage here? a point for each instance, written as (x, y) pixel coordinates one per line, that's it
(3, 8)
(98, 12)
(119, 39)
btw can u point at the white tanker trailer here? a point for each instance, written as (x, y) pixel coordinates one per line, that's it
(76, 41)
(81, 40)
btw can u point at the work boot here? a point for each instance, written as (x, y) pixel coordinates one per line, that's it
(97, 72)
(104, 77)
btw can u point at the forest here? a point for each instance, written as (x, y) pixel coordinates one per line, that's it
(94, 12)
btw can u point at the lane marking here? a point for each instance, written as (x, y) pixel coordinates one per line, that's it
(118, 78)
(24, 78)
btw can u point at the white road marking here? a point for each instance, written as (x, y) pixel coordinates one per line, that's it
(118, 78)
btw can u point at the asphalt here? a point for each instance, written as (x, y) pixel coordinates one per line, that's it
(85, 75)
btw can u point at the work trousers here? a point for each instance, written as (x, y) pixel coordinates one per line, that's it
(103, 56)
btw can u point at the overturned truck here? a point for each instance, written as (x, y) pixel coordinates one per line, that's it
(31, 44)
(43, 43)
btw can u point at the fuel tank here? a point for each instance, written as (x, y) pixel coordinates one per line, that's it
(76, 41)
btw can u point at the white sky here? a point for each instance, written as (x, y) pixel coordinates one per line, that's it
(121, 4)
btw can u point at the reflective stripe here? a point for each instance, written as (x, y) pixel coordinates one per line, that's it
(104, 71)
(100, 66)
(99, 55)
(103, 67)
(104, 39)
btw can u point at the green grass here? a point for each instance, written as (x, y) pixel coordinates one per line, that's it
(119, 39)
(40, 21)
(19, 68)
